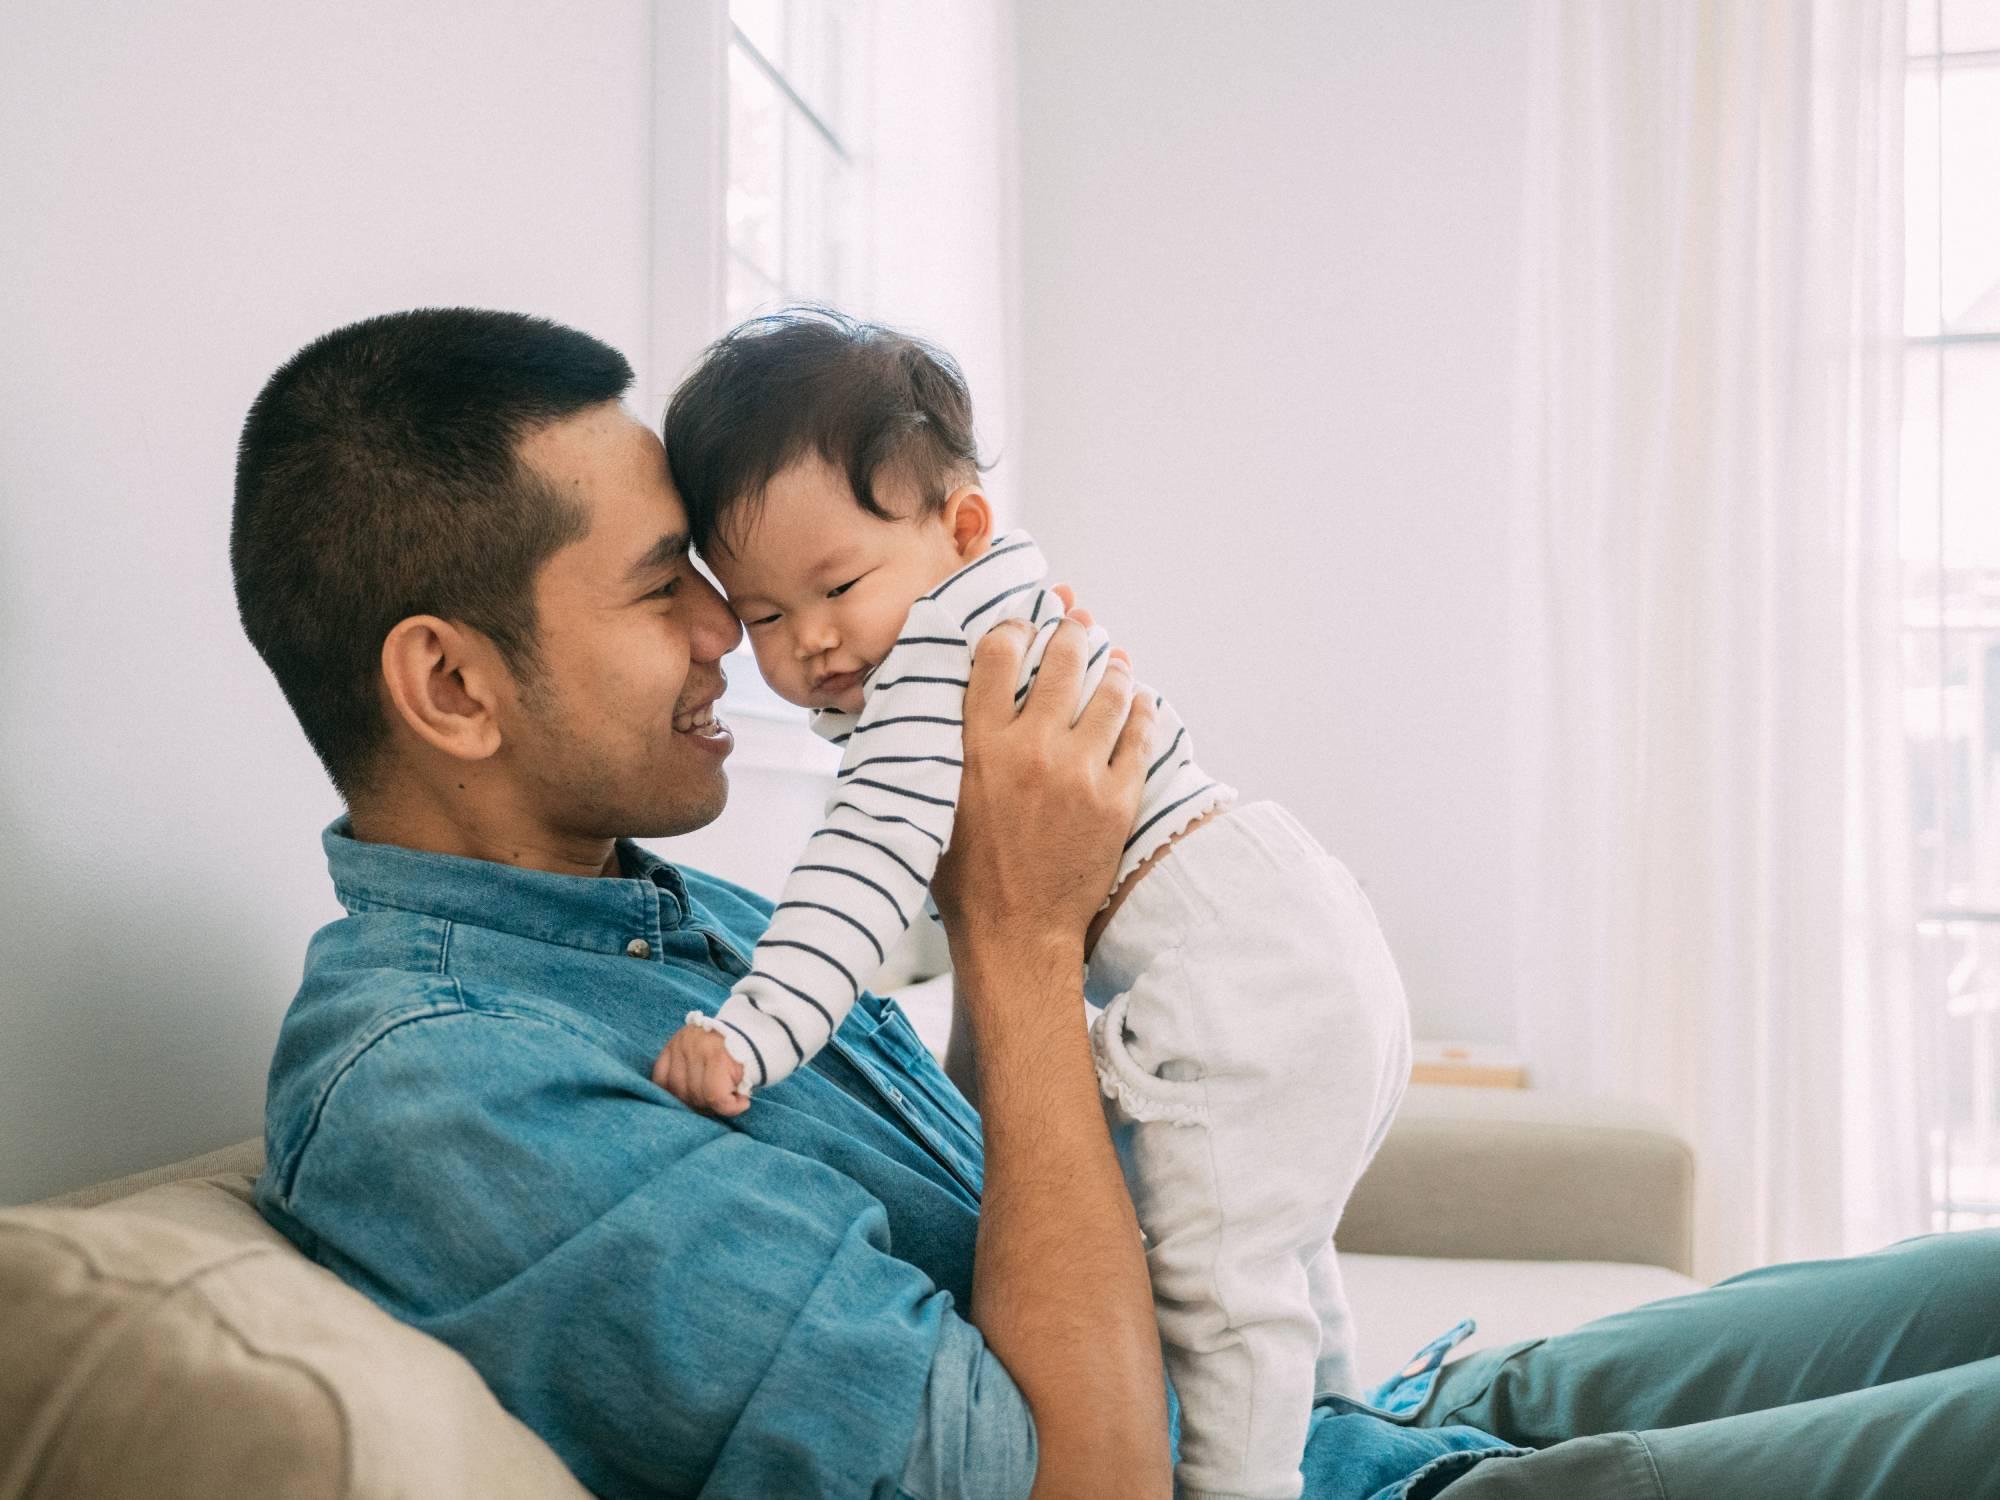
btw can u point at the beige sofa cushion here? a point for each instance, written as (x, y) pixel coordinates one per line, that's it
(174, 1346)
(1402, 1302)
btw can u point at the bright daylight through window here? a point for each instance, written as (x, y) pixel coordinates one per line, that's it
(1951, 568)
(797, 185)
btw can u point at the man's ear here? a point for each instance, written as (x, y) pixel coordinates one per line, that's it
(445, 683)
(968, 516)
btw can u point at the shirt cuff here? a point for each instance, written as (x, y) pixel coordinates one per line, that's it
(975, 1436)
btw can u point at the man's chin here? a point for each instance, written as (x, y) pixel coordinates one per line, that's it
(692, 812)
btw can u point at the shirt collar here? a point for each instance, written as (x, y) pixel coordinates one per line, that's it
(973, 595)
(599, 914)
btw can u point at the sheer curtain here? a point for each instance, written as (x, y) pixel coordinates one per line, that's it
(1706, 756)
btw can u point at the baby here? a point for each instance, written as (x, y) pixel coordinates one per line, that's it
(1252, 1040)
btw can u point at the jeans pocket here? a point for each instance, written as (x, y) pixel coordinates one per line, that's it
(1466, 1382)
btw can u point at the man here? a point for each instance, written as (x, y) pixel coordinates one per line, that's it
(468, 570)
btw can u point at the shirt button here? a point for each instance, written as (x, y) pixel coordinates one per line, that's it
(638, 948)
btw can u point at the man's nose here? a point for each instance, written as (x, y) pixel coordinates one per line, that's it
(716, 629)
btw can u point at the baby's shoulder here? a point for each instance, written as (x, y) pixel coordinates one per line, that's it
(929, 625)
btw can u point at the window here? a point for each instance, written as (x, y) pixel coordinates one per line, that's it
(796, 185)
(797, 176)
(840, 151)
(1950, 523)
(815, 150)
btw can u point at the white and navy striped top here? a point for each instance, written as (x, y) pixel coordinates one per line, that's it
(866, 872)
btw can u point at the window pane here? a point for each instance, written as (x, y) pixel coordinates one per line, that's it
(814, 45)
(1962, 758)
(749, 291)
(820, 36)
(1972, 480)
(1962, 969)
(1970, 25)
(755, 211)
(1929, 772)
(1951, 719)
(763, 21)
(1970, 144)
(1972, 817)
(1917, 496)
(1920, 202)
(1922, 31)
(822, 218)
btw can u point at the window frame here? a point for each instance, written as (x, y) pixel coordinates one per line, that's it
(1955, 613)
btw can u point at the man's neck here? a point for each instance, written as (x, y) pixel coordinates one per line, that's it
(468, 834)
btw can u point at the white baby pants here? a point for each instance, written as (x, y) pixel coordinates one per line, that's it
(1253, 1047)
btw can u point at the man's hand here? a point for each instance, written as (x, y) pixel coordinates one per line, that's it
(1045, 805)
(696, 1068)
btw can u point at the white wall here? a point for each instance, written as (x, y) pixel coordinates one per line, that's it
(187, 194)
(1268, 285)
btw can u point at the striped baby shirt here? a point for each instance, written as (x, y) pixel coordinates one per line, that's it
(867, 871)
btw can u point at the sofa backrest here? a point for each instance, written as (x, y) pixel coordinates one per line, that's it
(173, 1345)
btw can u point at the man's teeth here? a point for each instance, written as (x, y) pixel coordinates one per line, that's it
(702, 718)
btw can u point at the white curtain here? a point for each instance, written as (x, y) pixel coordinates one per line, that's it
(1706, 758)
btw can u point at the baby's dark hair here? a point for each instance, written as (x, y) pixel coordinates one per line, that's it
(810, 380)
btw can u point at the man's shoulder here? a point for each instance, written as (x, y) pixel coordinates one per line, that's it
(367, 1029)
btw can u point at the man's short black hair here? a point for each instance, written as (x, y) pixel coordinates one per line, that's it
(777, 389)
(379, 477)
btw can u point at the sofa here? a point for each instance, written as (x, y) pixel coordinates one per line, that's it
(158, 1339)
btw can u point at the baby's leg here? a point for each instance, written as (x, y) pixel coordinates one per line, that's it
(1334, 1369)
(1254, 1045)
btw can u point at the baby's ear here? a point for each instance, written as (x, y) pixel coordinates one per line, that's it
(968, 515)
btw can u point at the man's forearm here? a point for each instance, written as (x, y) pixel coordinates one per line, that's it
(1060, 1291)
(961, 1051)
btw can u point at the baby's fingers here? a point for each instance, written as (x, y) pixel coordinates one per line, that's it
(663, 1067)
(719, 1088)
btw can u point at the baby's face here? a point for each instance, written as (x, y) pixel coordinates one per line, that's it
(822, 587)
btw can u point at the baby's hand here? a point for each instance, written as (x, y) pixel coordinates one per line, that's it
(696, 1068)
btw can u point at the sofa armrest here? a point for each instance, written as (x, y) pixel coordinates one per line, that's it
(1523, 1174)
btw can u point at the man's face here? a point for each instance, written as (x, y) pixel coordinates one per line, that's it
(611, 739)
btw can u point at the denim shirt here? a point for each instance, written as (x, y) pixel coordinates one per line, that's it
(460, 1124)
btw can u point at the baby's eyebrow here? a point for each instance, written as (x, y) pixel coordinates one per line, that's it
(834, 562)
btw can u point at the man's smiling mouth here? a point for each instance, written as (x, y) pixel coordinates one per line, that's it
(701, 720)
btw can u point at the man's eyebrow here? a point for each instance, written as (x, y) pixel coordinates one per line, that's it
(668, 550)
